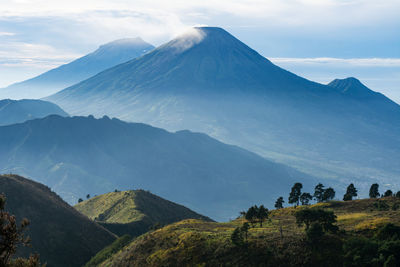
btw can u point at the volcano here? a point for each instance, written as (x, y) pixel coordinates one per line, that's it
(206, 80)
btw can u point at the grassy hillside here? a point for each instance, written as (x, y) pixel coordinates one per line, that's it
(61, 235)
(134, 212)
(199, 243)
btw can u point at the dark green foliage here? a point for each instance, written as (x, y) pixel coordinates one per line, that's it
(388, 232)
(381, 205)
(251, 214)
(87, 196)
(374, 191)
(11, 235)
(325, 218)
(80, 200)
(388, 193)
(329, 194)
(350, 193)
(245, 229)
(262, 214)
(319, 192)
(305, 198)
(315, 232)
(256, 214)
(237, 237)
(294, 196)
(279, 203)
(398, 194)
(108, 251)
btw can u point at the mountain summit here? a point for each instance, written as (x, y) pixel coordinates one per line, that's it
(50, 82)
(208, 81)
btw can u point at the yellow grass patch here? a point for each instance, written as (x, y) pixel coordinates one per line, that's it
(372, 223)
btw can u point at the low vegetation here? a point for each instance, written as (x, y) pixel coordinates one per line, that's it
(331, 233)
(134, 212)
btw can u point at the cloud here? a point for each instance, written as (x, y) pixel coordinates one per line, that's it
(7, 34)
(21, 54)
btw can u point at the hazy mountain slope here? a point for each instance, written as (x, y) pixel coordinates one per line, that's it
(80, 155)
(13, 111)
(208, 81)
(52, 81)
(134, 212)
(61, 235)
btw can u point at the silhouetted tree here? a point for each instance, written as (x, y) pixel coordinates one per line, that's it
(294, 197)
(279, 203)
(80, 200)
(374, 191)
(329, 194)
(11, 236)
(388, 193)
(350, 193)
(305, 198)
(398, 194)
(251, 214)
(88, 196)
(319, 192)
(262, 214)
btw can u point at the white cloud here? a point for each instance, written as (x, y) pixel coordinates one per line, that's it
(7, 34)
(21, 54)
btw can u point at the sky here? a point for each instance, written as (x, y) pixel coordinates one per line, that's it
(318, 39)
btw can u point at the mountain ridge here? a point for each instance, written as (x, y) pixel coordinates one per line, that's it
(50, 82)
(60, 234)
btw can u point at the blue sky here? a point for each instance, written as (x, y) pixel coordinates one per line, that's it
(318, 39)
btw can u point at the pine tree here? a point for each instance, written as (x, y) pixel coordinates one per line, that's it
(388, 193)
(262, 214)
(350, 193)
(294, 197)
(329, 194)
(279, 203)
(319, 192)
(374, 191)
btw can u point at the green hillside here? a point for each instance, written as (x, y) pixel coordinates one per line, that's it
(134, 212)
(61, 235)
(364, 239)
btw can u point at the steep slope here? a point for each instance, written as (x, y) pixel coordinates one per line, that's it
(208, 81)
(13, 111)
(199, 243)
(134, 212)
(82, 155)
(61, 235)
(52, 81)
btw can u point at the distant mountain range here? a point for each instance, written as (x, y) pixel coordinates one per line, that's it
(134, 212)
(60, 234)
(54, 80)
(13, 111)
(82, 155)
(208, 81)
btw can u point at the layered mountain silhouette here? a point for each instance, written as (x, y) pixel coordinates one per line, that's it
(134, 212)
(16, 111)
(60, 234)
(208, 81)
(76, 156)
(52, 81)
